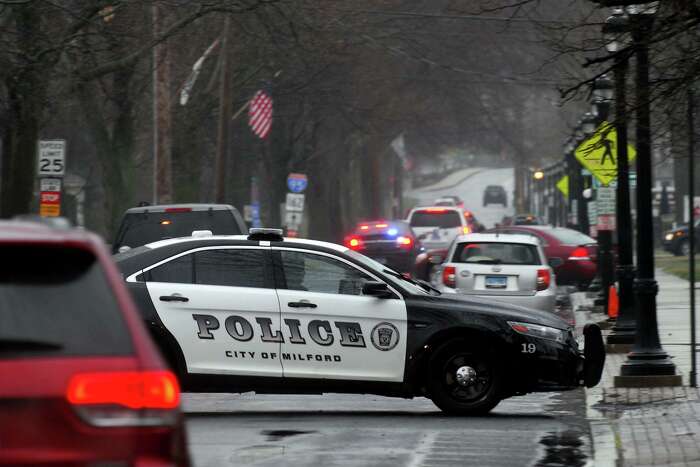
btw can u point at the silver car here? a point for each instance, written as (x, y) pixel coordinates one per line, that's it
(503, 267)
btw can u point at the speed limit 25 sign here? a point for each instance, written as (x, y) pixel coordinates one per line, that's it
(52, 158)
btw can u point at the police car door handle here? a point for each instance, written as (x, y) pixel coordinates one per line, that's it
(302, 304)
(173, 298)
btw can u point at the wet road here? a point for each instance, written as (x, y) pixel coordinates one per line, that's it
(471, 190)
(362, 430)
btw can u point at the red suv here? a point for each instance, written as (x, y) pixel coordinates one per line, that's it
(80, 381)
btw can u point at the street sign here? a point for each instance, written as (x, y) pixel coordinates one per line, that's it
(599, 153)
(605, 200)
(297, 182)
(49, 184)
(50, 203)
(52, 158)
(295, 202)
(563, 185)
(293, 220)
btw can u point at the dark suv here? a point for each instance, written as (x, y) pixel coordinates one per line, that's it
(81, 382)
(147, 224)
(495, 194)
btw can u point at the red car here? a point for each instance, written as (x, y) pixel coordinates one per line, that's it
(81, 383)
(571, 254)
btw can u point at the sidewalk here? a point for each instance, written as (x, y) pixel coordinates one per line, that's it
(649, 426)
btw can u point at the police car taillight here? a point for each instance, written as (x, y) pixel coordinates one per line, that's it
(448, 276)
(405, 242)
(125, 398)
(354, 242)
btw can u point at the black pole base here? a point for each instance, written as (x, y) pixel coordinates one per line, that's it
(648, 363)
(621, 336)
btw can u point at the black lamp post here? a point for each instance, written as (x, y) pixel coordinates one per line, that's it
(571, 169)
(617, 40)
(647, 364)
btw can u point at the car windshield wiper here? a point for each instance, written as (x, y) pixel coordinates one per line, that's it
(422, 284)
(18, 344)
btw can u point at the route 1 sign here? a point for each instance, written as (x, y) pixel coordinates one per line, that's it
(297, 182)
(52, 158)
(295, 202)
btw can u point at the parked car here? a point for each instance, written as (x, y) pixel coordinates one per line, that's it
(388, 242)
(449, 200)
(526, 219)
(508, 268)
(81, 382)
(495, 194)
(572, 254)
(146, 224)
(676, 241)
(437, 226)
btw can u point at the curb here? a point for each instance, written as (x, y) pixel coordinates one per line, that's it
(604, 439)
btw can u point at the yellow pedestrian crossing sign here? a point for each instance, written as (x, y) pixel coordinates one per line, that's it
(563, 185)
(598, 153)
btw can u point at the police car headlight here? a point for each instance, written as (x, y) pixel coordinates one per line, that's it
(669, 236)
(539, 331)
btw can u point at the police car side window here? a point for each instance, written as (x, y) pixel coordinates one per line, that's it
(179, 270)
(316, 273)
(230, 267)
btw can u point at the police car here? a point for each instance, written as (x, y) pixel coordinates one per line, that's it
(280, 315)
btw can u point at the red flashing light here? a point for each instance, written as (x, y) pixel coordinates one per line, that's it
(132, 389)
(178, 209)
(434, 210)
(448, 276)
(381, 226)
(580, 253)
(364, 227)
(544, 279)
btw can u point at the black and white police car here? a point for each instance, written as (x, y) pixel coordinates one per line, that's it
(270, 314)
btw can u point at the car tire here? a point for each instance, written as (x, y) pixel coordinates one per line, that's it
(683, 248)
(482, 389)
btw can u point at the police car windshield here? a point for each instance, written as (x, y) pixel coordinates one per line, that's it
(395, 278)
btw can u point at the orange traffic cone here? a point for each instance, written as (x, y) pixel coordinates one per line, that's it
(613, 302)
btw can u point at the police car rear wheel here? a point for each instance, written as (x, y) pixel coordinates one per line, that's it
(464, 381)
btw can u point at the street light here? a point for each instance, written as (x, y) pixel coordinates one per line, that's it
(588, 124)
(617, 40)
(538, 175)
(647, 364)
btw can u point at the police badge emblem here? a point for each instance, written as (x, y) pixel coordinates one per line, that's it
(385, 336)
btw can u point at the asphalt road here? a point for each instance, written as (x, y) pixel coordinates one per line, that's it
(471, 190)
(361, 430)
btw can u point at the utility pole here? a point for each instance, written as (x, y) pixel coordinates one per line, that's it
(162, 118)
(224, 116)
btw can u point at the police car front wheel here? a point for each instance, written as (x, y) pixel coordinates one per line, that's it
(464, 380)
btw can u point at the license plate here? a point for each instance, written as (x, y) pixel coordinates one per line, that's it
(496, 282)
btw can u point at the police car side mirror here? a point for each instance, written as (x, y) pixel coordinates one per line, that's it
(376, 289)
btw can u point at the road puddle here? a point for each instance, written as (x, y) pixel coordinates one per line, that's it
(565, 448)
(276, 435)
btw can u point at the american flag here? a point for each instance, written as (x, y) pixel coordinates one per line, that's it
(260, 114)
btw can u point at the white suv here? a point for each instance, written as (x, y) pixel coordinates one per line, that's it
(436, 226)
